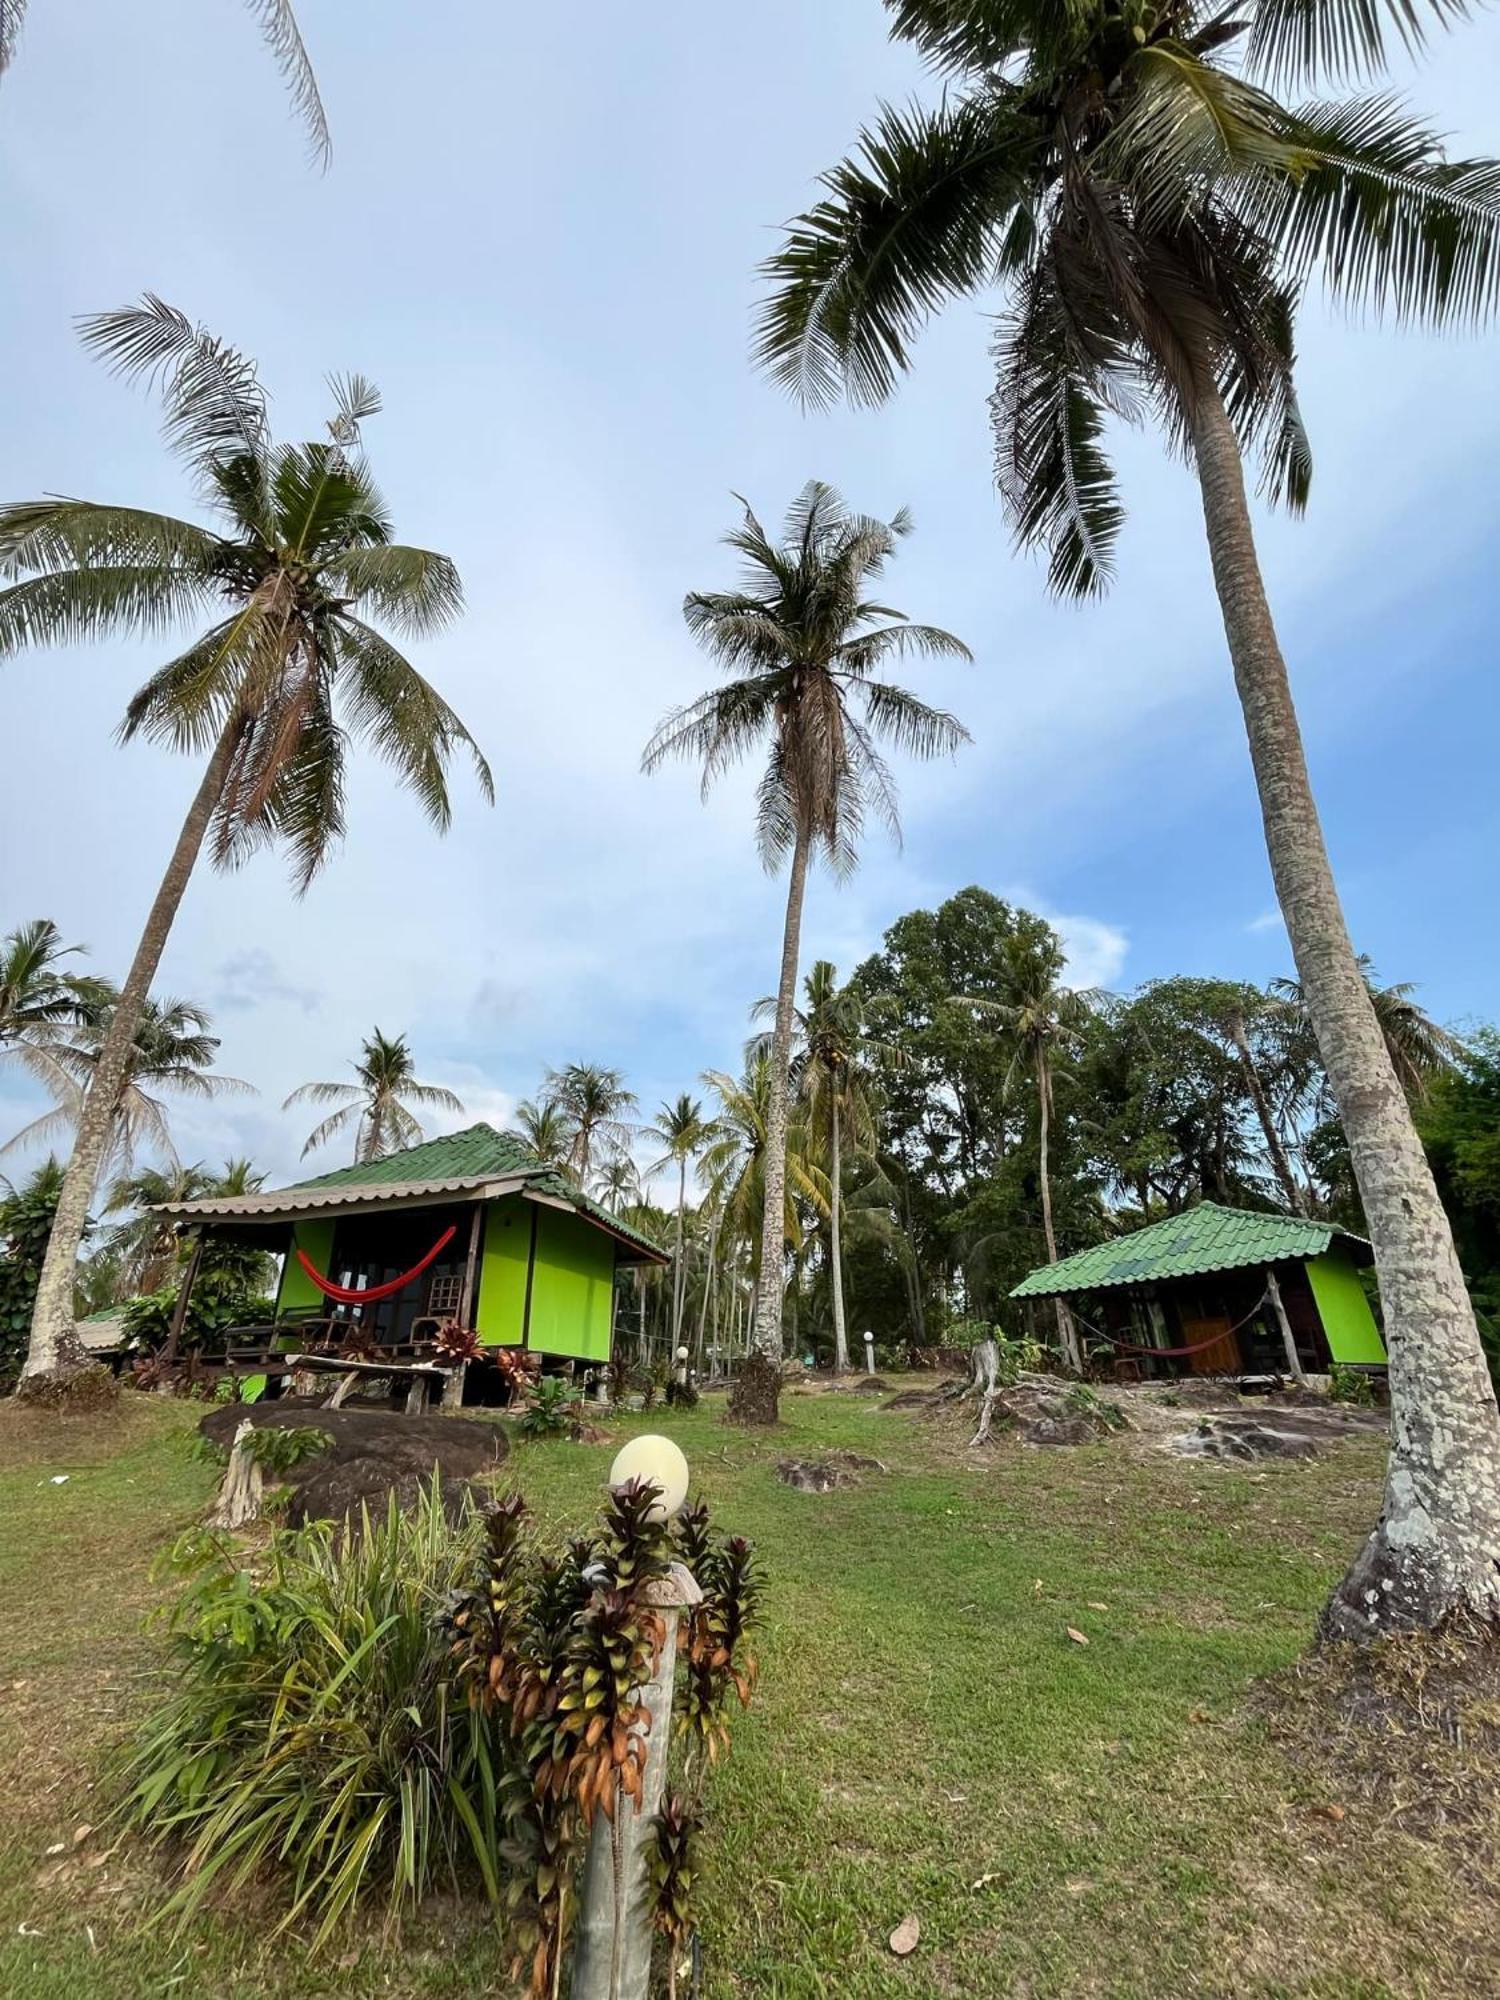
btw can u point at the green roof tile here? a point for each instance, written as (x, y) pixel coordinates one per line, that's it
(1205, 1238)
(478, 1150)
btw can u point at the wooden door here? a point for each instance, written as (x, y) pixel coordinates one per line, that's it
(1221, 1356)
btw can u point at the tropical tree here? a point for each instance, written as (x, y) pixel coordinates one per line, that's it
(1043, 1021)
(834, 1066)
(682, 1130)
(271, 691)
(805, 648)
(543, 1128)
(377, 1104)
(142, 1249)
(617, 1183)
(1152, 210)
(41, 1005)
(27, 1209)
(1420, 1050)
(280, 33)
(172, 1052)
(597, 1107)
(734, 1160)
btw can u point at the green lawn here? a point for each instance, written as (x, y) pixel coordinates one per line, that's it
(1063, 1819)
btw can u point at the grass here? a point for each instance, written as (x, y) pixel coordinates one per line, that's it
(1120, 1818)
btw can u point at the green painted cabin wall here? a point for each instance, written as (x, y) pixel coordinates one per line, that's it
(1344, 1309)
(572, 1282)
(297, 1289)
(502, 1272)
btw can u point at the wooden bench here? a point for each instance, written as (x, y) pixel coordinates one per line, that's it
(422, 1375)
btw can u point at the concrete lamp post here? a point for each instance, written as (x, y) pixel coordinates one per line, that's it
(869, 1353)
(612, 1958)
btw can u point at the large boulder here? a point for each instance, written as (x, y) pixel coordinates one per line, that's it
(372, 1453)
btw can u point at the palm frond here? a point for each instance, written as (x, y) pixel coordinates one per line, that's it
(12, 19)
(213, 405)
(59, 533)
(72, 606)
(1308, 40)
(321, 1093)
(911, 725)
(330, 1128)
(403, 718)
(282, 36)
(914, 220)
(717, 729)
(413, 589)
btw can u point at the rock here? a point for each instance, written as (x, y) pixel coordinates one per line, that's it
(1047, 1413)
(373, 1453)
(1241, 1438)
(823, 1475)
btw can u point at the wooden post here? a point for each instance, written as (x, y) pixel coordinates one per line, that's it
(184, 1293)
(612, 1954)
(471, 1267)
(1273, 1291)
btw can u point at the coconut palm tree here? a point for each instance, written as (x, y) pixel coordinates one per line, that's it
(543, 1128)
(597, 1107)
(833, 1068)
(172, 1051)
(1150, 211)
(40, 1005)
(1043, 1020)
(734, 1160)
(682, 1130)
(617, 1183)
(142, 1250)
(377, 1103)
(1420, 1050)
(805, 648)
(279, 31)
(287, 671)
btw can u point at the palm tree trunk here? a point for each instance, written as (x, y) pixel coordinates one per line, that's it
(770, 1282)
(55, 1348)
(835, 1247)
(1281, 1165)
(1436, 1549)
(1067, 1333)
(678, 1292)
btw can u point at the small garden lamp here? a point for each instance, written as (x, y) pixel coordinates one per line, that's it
(869, 1353)
(658, 1461)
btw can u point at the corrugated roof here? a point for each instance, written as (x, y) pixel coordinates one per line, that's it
(458, 1163)
(1205, 1238)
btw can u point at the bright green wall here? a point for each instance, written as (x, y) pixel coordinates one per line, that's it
(1344, 1309)
(572, 1281)
(297, 1289)
(572, 1288)
(502, 1272)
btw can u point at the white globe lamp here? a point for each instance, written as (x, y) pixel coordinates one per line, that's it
(658, 1462)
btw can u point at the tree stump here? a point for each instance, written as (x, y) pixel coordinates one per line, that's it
(243, 1490)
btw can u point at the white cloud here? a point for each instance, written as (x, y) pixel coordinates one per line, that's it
(1268, 920)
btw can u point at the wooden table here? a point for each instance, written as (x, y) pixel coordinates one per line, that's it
(421, 1374)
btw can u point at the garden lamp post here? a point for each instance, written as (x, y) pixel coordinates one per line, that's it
(612, 1957)
(869, 1353)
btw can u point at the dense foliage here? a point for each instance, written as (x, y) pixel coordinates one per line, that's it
(26, 1215)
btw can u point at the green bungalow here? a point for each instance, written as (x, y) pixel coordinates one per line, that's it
(1221, 1291)
(468, 1229)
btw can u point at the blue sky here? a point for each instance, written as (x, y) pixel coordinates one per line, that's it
(539, 236)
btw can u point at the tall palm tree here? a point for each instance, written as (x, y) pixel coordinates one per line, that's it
(1420, 1049)
(142, 1249)
(40, 1005)
(805, 647)
(377, 1103)
(271, 690)
(279, 31)
(543, 1128)
(597, 1106)
(617, 1183)
(834, 1069)
(1043, 1021)
(682, 1130)
(1151, 210)
(1232, 1010)
(172, 1051)
(734, 1160)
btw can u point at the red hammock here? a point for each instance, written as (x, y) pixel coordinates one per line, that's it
(350, 1295)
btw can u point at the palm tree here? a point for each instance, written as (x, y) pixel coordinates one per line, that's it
(804, 645)
(1232, 1009)
(596, 1104)
(280, 33)
(142, 1250)
(1043, 1020)
(377, 1103)
(734, 1160)
(683, 1131)
(833, 1068)
(543, 1128)
(1420, 1050)
(617, 1183)
(172, 1051)
(271, 690)
(40, 1005)
(1152, 214)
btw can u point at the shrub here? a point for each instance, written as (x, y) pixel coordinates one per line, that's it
(1352, 1386)
(219, 1300)
(309, 1724)
(553, 1407)
(278, 1449)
